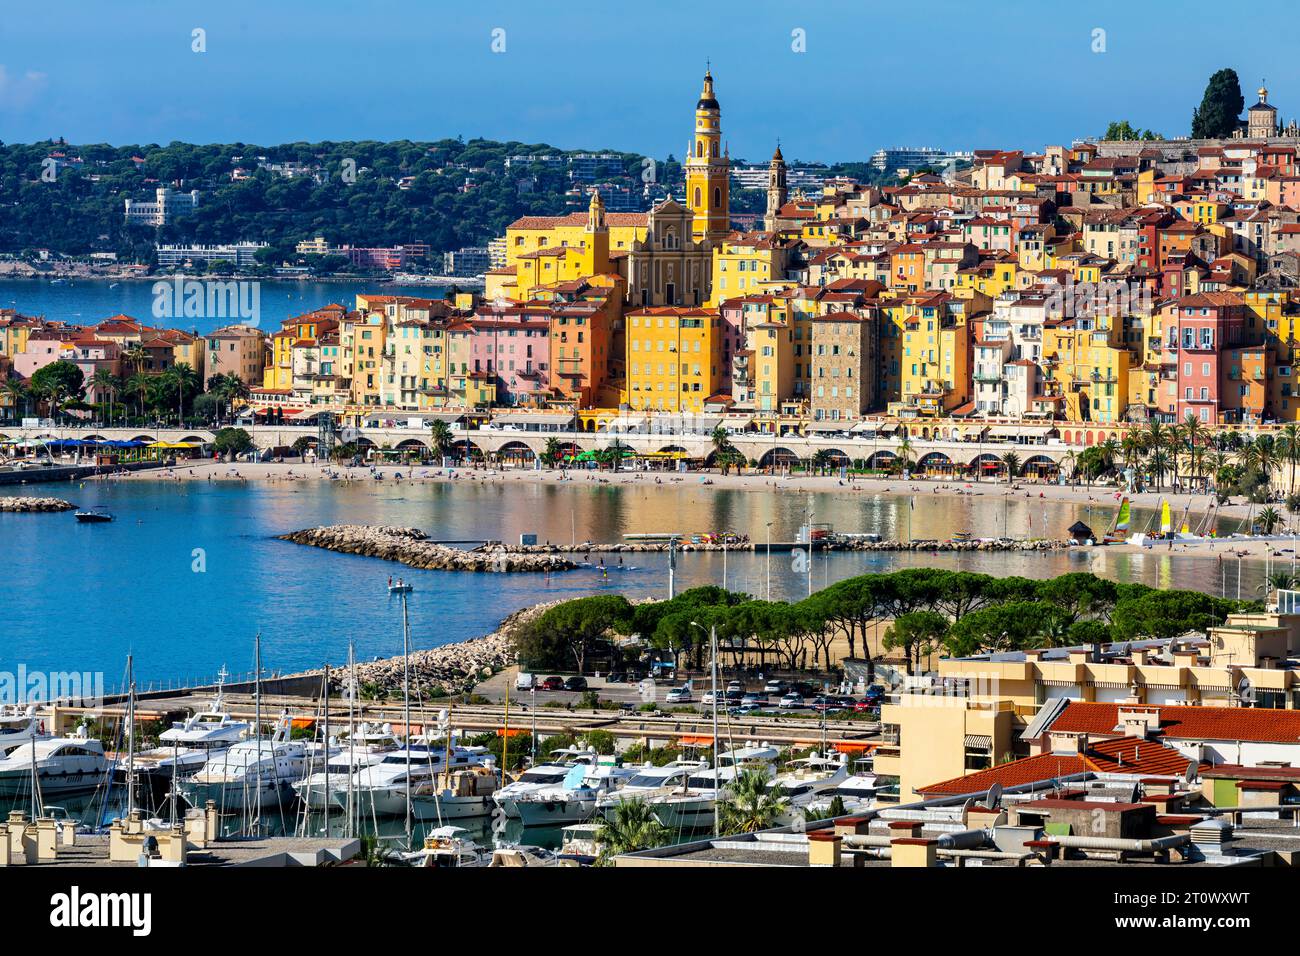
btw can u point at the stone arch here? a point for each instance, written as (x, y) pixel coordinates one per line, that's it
(412, 444)
(199, 439)
(1091, 441)
(935, 461)
(1040, 466)
(666, 449)
(881, 460)
(778, 457)
(516, 451)
(145, 438)
(838, 457)
(987, 464)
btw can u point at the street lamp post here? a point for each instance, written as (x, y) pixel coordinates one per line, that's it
(713, 667)
(811, 515)
(767, 591)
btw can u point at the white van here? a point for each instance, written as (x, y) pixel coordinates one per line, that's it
(524, 681)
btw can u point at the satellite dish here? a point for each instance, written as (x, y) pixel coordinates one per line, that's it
(994, 795)
(1246, 691)
(1190, 773)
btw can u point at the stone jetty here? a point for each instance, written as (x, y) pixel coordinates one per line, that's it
(452, 668)
(411, 546)
(25, 504)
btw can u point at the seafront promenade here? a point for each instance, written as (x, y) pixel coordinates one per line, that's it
(1032, 445)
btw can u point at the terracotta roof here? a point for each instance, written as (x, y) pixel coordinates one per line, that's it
(1126, 755)
(1188, 723)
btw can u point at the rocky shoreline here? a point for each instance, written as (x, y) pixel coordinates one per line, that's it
(412, 547)
(30, 504)
(451, 669)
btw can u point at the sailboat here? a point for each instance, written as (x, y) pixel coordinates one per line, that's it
(1166, 519)
(1119, 530)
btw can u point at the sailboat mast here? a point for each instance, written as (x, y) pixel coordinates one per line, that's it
(406, 710)
(352, 732)
(326, 751)
(130, 735)
(713, 653)
(257, 728)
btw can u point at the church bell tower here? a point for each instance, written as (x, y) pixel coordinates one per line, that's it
(708, 170)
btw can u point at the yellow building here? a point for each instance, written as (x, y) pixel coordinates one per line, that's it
(933, 737)
(674, 360)
(1090, 363)
(743, 264)
(931, 345)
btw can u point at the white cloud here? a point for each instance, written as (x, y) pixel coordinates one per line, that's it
(17, 92)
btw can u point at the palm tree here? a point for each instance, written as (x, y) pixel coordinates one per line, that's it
(905, 452)
(723, 450)
(17, 392)
(1011, 461)
(1071, 459)
(1289, 449)
(1159, 463)
(1174, 444)
(134, 355)
(138, 385)
(1268, 519)
(1194, 435)
(105, 383)
(753, 804)
(185, 381)
(553, 452)
(1277, 581)
(440, 437)
(632, 826)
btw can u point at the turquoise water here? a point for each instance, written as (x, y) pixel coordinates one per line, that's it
(86, 301)
(80, 597)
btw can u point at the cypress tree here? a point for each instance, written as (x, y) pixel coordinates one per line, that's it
(1220, 108)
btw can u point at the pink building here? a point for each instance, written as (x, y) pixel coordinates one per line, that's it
(91, 355)
(1208, 324)
(44, 348)
(512, 345)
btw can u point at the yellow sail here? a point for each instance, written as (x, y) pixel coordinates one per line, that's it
(1166, 519)
(1121, 522)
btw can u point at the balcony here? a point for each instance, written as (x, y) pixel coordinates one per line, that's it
(570, 367)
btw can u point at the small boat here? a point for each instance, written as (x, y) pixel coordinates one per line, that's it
(94, 516)
(399, 588)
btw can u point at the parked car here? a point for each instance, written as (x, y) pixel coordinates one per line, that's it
(792, 699)
(745, 710)
(775, 687)
(865, 706)
(616, 677)
(875, 692)
(553, 683)
(707, 698)
(735, 685)
(679, 695)
(754, 700)
(524, 681)
(575, 683)
(734, 696)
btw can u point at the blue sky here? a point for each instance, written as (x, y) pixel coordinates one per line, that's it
(622, 73)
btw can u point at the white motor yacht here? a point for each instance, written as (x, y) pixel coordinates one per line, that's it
(369, 745)
(574, 800)
(257, 772)
(185, 746)
(18, 724)
(692, 807)
(806, 781)
(550, 774)
(650, 782)
(380, 788)
(456, 795)
(56, 764)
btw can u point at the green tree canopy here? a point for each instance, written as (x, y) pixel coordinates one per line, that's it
(1221, 107)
